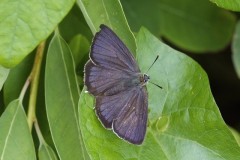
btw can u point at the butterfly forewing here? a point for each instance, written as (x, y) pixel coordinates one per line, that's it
(113, 77)
(103, 81)
(110, 52)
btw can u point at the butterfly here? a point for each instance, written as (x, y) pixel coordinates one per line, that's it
(113, 77)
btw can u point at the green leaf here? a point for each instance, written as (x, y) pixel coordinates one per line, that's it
(62, 96)
(236, 49)
(45, 152)
(24, 24)
(3, 75)
(15, 138)
(184, 120)
(187, 117)
(233, 5)
(197, 26)
(107, 12)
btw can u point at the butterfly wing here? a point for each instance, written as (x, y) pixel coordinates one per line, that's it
(109, 51)
(111, 64)
(102, 81)
(126, 113)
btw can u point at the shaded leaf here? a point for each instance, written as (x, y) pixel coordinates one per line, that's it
(31, 23)
(233, 5)
(77, 23)
(79, 46)
(15, 138)
(236, 135)
(16, 79)
(183, 115)
(62, 94)
(197, 26)
(107, 12)
(236, 49)
(3, 75)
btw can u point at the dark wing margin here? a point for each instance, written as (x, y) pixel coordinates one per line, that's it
(109, 51)
(125, 113)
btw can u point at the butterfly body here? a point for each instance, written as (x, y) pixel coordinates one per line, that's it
(113, 77)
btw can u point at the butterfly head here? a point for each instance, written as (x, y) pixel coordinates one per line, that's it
(144, 78)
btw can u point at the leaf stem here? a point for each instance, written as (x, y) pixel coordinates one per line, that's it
(39, 133)
(24, 89)
(34, 77)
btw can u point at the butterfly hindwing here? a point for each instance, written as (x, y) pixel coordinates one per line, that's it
(131, 122)
(108, 107)
(125, 112)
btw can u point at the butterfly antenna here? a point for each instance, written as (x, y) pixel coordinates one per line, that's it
(153, 63)
(150, 68)
(155, 84)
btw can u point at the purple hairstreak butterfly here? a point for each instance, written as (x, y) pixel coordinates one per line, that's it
(113, 77)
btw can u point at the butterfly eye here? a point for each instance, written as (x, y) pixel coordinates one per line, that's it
(146, 78)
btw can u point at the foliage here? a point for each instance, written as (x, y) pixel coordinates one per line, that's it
(46, 112)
